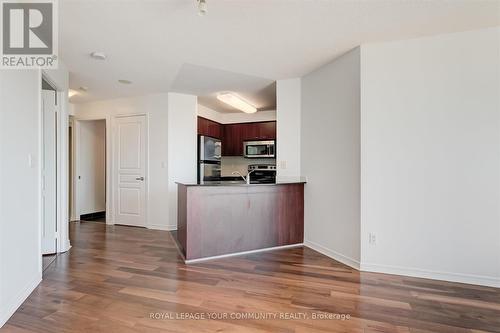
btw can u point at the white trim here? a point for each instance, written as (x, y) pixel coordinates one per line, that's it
(333, 254)
(283, 247)
(15, 303)
(162, 227)
(62, 189)
(489, 281)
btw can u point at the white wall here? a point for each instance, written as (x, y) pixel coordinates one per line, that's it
(20, 256)
(235, 117)
(430, 161)
(288, 128)
(182, 146)
(92, 166)
(156, 108)
(330, 158)
(20, 214)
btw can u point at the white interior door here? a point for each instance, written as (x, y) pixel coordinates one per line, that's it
(49, 172)
(129, 164)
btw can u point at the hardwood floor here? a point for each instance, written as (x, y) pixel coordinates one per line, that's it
(115, 278)
(47, 260)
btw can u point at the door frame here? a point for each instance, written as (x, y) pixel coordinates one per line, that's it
(77, 121)
(62, 218)
(113, 174)
(110, 149)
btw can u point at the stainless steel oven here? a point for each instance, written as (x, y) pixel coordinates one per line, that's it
(259, 149)
(209, 159)
(262, 173)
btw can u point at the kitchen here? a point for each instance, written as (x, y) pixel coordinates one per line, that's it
(236, 152)
(237, 205)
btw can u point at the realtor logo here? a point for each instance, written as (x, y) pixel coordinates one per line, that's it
(29, 38)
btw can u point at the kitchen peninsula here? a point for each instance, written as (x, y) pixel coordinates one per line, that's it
(224, 219)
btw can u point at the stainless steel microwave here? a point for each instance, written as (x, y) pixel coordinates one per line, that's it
(259, 149)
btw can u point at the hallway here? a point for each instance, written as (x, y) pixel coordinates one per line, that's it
(115, 278)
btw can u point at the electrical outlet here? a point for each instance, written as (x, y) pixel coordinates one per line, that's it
(372, 238)
(283, 165)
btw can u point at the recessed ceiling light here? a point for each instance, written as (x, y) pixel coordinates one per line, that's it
(125, 81)
(72, 93)
(202, 7)
(237, 102)
(98, 55)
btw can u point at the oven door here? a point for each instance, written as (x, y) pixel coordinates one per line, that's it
(258, 149)
(209, 171)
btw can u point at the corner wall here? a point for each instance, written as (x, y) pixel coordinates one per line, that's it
(20, 256)
(330, 145)
(288, 128)
(182, 147)
(430, 157)
(20, 181)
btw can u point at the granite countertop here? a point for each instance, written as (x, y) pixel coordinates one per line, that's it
(291, 180)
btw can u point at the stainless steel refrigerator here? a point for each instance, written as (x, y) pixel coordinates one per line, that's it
(209, 159)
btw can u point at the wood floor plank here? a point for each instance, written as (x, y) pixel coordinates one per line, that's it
(121, 279)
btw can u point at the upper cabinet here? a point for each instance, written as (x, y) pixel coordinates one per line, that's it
(209, 128)
(233, 135)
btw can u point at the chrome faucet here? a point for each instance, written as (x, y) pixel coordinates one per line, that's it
(246, 179)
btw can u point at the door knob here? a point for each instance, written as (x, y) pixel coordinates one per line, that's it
(140, 178)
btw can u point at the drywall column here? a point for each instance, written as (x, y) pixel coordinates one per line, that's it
(288, 98)
(330, 136)
(430, 157)
(182, 146)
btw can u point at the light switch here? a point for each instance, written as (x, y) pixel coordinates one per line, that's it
(31, 164)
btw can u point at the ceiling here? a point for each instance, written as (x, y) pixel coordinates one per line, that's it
(206, 83)
(160, 44)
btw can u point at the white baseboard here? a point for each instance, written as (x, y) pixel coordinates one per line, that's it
(65, 246)
(283, 247)
(162, 227)
(333, 254)
(15, 303)
(435, 275)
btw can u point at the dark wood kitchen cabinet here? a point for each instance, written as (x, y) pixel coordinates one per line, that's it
(233, 135)
(232, 140)
(209, 128)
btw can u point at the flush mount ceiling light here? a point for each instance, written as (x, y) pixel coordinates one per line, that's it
(98, 55)
(236, 102)
(124, 81)
(72, 93)
(202, 7)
